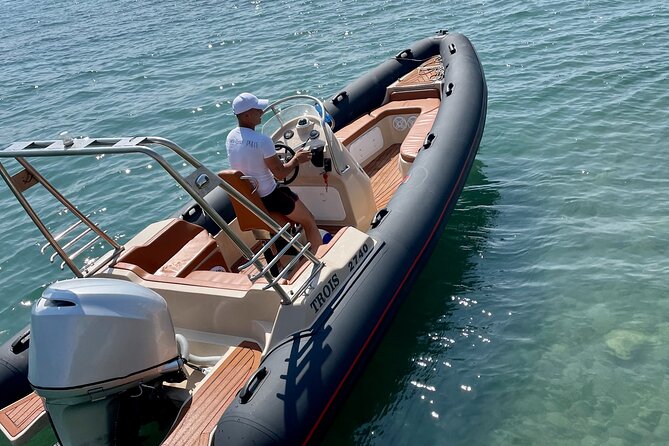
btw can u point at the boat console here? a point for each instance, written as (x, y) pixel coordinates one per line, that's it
(334, 187)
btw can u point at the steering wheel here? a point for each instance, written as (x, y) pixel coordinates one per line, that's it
(285, 154)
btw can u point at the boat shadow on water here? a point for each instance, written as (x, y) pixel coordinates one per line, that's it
(432, 308)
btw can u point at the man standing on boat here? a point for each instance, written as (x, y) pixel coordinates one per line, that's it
(254, 155)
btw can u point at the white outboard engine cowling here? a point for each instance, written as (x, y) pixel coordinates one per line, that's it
(91, 340)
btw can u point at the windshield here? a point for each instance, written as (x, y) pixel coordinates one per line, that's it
(279, 117)
(282, 114)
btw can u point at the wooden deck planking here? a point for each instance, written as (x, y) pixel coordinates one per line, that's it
(214, 396)
(385, 175)
(429, 72)
(21, 414)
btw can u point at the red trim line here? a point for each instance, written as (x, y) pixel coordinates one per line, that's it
(383, 315)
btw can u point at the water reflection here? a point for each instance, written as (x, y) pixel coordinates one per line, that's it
(425, 361)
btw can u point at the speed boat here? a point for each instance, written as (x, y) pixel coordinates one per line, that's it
(219, 325)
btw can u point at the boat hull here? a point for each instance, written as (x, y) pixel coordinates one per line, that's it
(307, 376)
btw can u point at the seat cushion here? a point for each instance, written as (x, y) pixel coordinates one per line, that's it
(416, 136)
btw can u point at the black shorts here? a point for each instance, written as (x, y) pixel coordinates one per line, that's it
(281, 200)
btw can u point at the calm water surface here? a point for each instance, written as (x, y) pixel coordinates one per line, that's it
(542, 317)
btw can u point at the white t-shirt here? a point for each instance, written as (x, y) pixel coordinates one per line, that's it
(247, 150)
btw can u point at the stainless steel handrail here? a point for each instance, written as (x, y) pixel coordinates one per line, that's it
(62, 234)
(70, 243)
(276, 258)
(290, 265)
(267, 246)
(109, 146)
(82, 249)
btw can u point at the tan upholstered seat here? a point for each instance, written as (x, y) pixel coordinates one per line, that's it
(177, 249)
(416, 136)
(361, 125)
(405, 95)
(246, 219)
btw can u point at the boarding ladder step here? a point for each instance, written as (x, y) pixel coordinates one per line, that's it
(74, 244)
(291, 243)
(22, 419)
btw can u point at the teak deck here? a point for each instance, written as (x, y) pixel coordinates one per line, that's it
(429, 72)
(210, 400)
(385, 175)
(22, 415)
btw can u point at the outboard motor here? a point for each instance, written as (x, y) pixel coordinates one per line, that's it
(94, 342)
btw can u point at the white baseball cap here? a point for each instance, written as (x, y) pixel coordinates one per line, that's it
(246, 101)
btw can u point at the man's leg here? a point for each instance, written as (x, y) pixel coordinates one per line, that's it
(302, 216)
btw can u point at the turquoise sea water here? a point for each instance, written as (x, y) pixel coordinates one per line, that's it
(542, 317)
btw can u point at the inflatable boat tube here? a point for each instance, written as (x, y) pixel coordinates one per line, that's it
(14, 368)
(219, 201)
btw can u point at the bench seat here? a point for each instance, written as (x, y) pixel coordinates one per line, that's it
(364, 123)
(192, 254)
(174, 251)
(414, 140)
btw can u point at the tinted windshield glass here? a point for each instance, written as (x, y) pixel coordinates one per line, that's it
(275, 122)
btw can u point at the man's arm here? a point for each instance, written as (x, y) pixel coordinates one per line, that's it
(281, 170)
